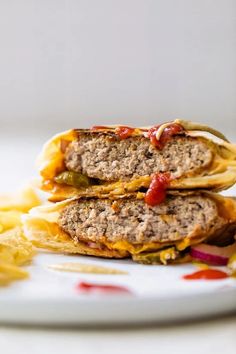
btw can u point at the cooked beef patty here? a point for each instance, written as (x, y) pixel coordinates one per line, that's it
(109, 158)
(134, 221)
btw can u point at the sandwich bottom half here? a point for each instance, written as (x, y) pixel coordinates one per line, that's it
(129, 228)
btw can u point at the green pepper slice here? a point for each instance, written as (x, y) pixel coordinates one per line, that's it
(74, 179)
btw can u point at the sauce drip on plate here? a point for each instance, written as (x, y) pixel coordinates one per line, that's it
(85, 287)
(206, 274)
(156, 192)
(168, 132)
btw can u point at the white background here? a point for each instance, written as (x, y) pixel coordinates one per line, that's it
(74, 63)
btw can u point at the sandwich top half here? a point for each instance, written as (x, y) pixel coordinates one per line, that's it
(111, 162)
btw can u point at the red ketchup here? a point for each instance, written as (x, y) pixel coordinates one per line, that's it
(156, 192)
(206, 274)
(90, 288)
(124, 132)
(166, 135)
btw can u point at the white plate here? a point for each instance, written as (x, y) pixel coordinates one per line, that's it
(49, 297)
(159, 295)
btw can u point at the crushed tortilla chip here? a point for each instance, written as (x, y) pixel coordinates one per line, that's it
(15, 250)
(9, 219)
(85, 268)
(9, 272)
(23, 201)
(13, 207)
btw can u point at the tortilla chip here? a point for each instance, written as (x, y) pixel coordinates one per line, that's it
(10, 272)
(9, 219)
(15, 250)
(23, 201)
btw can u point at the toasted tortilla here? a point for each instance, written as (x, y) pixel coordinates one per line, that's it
(219, 175)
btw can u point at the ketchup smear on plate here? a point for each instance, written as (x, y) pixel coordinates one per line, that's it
(206, 274)
(156, 192)
(166, 135)
(88, 288)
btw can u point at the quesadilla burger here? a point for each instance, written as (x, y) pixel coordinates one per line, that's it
(128, 227)
(114, 161)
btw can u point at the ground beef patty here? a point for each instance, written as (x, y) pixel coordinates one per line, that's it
(133, 220)
(109, 158)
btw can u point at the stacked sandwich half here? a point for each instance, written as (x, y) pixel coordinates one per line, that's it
(145, 193)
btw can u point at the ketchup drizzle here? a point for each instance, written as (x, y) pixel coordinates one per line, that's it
(166, 135)
(124, 132)
(156, 192)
